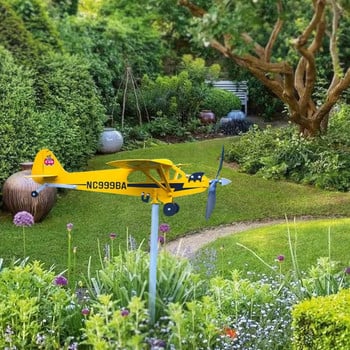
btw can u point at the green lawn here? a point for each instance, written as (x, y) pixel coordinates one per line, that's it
(95, 216)
(251, 250)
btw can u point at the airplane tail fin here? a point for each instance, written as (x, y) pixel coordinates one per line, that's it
(46, 165)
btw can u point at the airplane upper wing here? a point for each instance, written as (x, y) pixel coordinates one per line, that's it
(141, 164)
(45, 175)
(161, 166)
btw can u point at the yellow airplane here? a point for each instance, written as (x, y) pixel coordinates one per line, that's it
(161, 180)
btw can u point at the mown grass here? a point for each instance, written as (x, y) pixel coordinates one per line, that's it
(257, 250)
(95, 215)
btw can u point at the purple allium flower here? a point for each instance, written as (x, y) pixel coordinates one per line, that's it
(70, 226)
(280, 258)
(157, 343)
(85, 311)
(112, 235)
(61, 280)
(347, 270)
(23, 218)
(124, 312)
(161, 239)
(164, 228)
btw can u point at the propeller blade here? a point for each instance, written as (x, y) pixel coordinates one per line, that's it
(211, 201)
(224, 181)
(221, 161)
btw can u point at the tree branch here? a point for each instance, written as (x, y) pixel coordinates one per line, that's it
(306, 69)
(276, 30)
(333, 44)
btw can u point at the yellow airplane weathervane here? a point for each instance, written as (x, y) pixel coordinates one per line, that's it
(162, 181)
(153, 180)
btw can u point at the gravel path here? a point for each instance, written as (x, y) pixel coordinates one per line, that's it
(188, 245)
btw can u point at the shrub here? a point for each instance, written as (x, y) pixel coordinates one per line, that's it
(65, 88)
(37, 22)
(111, 327)
(179, 96)
(322, 322)
(235, 127)
(126, 275)
(15, 37)
(36, 313)
(282, 153)
(221, 102)
(17, 115)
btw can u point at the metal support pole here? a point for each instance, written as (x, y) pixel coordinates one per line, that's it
(153, 262)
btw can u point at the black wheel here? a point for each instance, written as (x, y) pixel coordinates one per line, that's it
(170, 209)
(34, 194)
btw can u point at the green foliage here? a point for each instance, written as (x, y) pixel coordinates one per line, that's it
(110, 326)
(234, 127)
(15, 37)
(126, 275)
(221, 102)
(66, 88)
(179, 96)
(322, 322)
(36, 313)
(17, 115)
(36, 20)
(110, 45)
(284, 154)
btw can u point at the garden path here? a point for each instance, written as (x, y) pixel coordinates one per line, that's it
(189, 244)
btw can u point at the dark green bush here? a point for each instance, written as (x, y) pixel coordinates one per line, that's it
(18, 125)
(221, 102)
(36, 20)
(235, 127)
(111, 44)
(179, 96)
(15, 37)
(282, 153)
(67, 92)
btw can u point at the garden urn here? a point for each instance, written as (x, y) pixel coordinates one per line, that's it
(236, 115)
(111, 141)
(17, 194)
(207, 117)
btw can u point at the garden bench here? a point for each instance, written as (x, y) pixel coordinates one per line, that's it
(239, 88)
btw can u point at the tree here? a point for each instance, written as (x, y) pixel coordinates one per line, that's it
(254, 34)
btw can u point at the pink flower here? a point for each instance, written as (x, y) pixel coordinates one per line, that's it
(280, 258)
(60, 280)
(70, 227)
(85, 311)
(23, 218)
(164, 228)
(124, 312)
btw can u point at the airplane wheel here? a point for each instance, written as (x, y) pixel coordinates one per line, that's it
(170, 209)
(34, 194)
